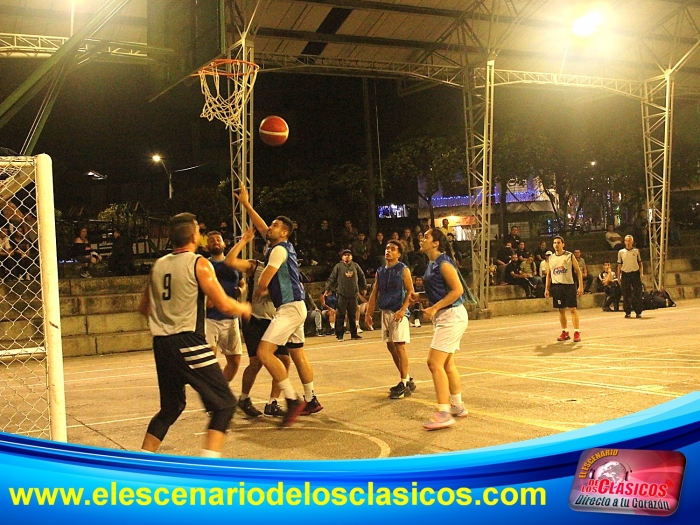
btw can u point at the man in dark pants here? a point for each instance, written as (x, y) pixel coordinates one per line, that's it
(174, 302)
(630, 271)
(347, 279)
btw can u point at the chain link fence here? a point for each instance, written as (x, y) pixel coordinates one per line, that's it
(26, 387)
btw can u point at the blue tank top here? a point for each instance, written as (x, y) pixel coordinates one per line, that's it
(435, 285)
(390, 289)
(285, 287)
(229, 279)
(332, 300)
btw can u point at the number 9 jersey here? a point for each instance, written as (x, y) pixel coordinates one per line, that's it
(177, 303)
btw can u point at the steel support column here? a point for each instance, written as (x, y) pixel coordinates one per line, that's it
(479, 110)
(657, 122)
(241, 152)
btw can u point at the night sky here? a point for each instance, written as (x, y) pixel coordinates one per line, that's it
(103, 121)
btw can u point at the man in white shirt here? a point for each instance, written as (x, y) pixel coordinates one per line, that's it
(630, 271)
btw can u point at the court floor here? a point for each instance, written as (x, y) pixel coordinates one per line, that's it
(518, 383)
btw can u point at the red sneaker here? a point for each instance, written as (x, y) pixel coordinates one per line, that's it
(577, 337)
(564, 336)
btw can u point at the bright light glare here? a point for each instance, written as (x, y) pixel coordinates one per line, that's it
(587, 24)
(156, 158)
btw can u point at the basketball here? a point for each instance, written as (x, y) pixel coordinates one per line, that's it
(274, 131)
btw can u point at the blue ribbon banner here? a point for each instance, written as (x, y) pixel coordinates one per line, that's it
(526, 482)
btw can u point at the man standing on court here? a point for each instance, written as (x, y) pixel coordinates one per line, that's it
(280, 279)
(630, 271)
(560, 284)
(223, 331)
(347, 279)
(392, 291)
(174, 302)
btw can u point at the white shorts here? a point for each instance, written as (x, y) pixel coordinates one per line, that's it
(450, 324)
(287, 325)
(224, 335)
(393, 332)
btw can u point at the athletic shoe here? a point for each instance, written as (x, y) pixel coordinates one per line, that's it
(274, 410)
(248, 408)
(577, 337)
(86, 275)
(371, 328)
(340, 338)
(439, 420)
(312, 407)
(416, 323)
(359, 330)
(458, 411)
(411, 385)
(627, 316)
(564, 336)
(319, 333)
(356, 337)
(638, 316)
(399, 391)
(294, 408)
(607, 309)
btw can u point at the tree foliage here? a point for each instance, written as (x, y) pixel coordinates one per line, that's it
(435, 161)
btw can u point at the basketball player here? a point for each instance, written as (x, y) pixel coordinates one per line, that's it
(254, 329)
(560, 281)
(392, 291)
(173, 301)
(446, 294)
(280, 278)
(222, 331)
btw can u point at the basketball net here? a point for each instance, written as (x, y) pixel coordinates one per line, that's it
(227, 109)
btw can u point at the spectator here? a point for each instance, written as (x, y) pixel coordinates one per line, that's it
(607, 280)
(514, 275)
(313, 314)
(455, 252)
(121, 260)
(226, 232)
(587, 278)
(407, 245)
(83, 253)
(513, 238)
(544, 267)
(522, 252)
(417, 236)
(14, 262)
(361, 250)
(348, 280)
(529, 270)
(445, 228)
(348, 234)
(416, 308)
(613, 238)
(502, 260)
(538, 255)
(641, 229)
(329, 308)
(325, 242)
(202, 246)
(376, 251)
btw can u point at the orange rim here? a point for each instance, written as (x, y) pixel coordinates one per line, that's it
(212, 68)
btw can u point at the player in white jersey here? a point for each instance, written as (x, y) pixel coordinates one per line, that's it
(560, 284)
(630, 271)
(174, 302)
(253, 330)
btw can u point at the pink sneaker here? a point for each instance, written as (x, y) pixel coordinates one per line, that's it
(439, 420)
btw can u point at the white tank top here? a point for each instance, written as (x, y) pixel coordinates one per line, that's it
(561, 268)
(177, 303)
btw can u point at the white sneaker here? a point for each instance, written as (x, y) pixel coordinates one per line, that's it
(416, 323)
(359, 330)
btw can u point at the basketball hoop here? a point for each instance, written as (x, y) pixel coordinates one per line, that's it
(217, 105)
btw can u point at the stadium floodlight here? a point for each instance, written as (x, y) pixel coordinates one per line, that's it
(157, 158)
(587, 24)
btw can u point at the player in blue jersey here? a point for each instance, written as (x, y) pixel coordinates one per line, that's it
(392, 292)
(445, 291)
(280, 279)
(222, 331)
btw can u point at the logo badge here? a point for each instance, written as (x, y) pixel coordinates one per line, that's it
(619, 481)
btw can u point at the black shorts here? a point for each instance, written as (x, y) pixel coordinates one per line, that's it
(187, 359)
(563, 295)
(253, 331)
